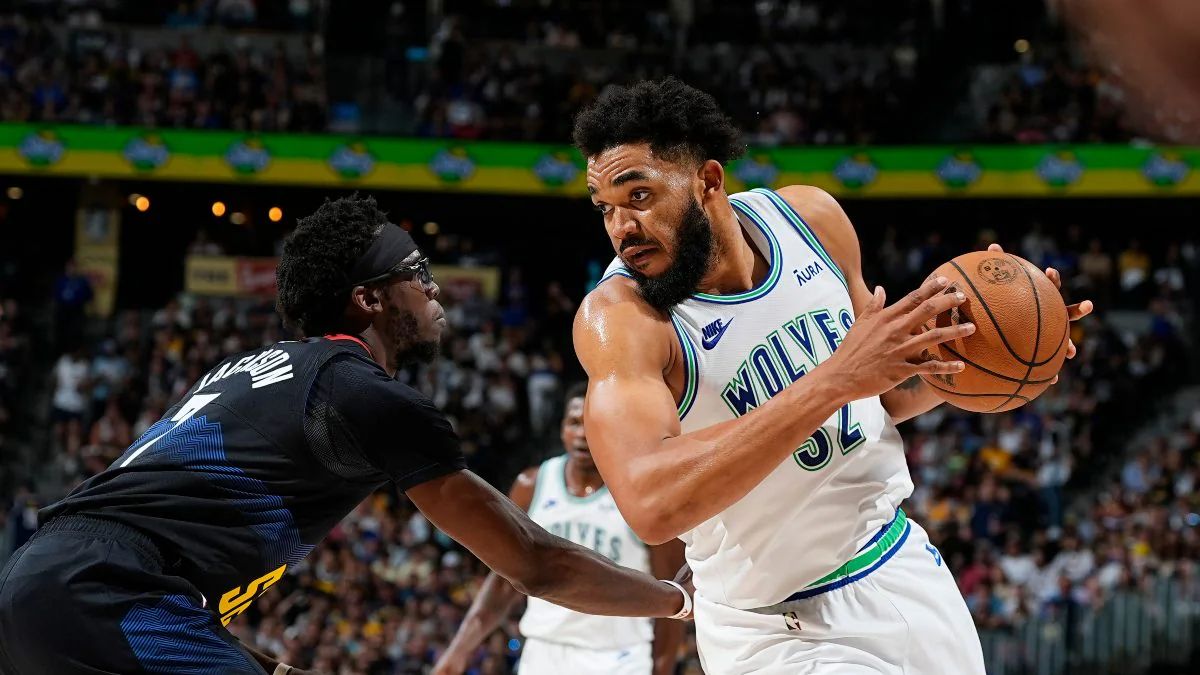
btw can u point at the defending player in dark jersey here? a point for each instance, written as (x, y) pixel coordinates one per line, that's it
(139, 569)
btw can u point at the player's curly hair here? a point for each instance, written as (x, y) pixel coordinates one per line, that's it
(318, 259)
(678, 122)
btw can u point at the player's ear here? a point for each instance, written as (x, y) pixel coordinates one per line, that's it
(366, 299)
(712, 177)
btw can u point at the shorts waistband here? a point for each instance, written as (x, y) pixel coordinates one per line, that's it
(104, 527)
(870, 558)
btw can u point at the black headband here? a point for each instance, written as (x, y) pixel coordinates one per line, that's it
(389, 249)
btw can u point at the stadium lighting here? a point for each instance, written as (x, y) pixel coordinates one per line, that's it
(431, 228)
(1021, 46)
(15, 192)
(237, 218)
(142, 203)
(133, 199)
(275, 214)
(218, 209)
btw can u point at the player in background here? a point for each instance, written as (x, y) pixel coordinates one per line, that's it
(744, 386)
(139, 569)
(566, 495)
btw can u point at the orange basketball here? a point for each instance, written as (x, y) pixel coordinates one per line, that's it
(1020, 338)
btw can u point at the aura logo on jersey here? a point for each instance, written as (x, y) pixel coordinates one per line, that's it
(588, 535)
(786, 356)
(805, 274)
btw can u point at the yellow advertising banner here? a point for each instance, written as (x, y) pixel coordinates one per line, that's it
(97, 254)
(211, 275)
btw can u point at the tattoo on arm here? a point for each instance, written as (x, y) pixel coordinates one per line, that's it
(911, 383)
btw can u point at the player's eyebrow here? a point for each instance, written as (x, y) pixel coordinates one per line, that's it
(629, 177)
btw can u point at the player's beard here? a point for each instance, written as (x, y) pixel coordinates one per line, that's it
(408, 347)
(694, 253)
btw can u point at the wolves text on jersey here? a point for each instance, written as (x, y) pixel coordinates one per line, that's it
(590, 536)
(779, 361)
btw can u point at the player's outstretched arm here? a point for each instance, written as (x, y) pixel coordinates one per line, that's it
(495, 600)
(536, 562)
(666, 482)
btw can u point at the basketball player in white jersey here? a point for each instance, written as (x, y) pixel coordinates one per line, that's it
(744, 386)
(567, 496)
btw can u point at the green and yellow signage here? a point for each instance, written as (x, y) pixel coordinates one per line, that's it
(535, 169)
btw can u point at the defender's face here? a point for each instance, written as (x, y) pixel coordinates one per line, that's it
(410, 294)
(573, 437)
(643, 201)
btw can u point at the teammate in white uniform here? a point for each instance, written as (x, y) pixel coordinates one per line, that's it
(743, 397)
(567, 496)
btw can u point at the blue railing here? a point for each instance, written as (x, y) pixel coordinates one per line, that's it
(1154, 628)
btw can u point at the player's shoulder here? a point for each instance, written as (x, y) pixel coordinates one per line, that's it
(617, 299)
(524, 487)
(826, 219)
(615, 320)
(811, 202)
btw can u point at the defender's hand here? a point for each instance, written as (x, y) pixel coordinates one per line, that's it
(1075, 312)
(885, 346)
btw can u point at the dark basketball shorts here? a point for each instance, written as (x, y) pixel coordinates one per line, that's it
(87, 595)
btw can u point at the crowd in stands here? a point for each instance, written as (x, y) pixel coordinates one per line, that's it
(1050, 97)
(383, 594)
(789, 75)
(115, 83)
(299, 15)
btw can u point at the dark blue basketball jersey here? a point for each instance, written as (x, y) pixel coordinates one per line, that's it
(262, 457)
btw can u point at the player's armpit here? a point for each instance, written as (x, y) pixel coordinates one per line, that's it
(537, 563)
(665, 482)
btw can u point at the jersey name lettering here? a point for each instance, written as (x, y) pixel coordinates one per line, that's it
(265, 368)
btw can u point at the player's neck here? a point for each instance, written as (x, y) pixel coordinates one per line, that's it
(379, 350)
(582, 479)
(739, 266)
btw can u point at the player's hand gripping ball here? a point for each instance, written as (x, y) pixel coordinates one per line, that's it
(1022, 331)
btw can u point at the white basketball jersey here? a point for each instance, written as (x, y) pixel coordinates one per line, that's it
(592, 522)
(814, 511)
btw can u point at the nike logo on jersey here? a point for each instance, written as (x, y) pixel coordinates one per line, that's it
(809, 271)
(713, 332)
(937, 557)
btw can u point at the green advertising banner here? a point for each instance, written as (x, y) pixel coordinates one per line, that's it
(535, 169)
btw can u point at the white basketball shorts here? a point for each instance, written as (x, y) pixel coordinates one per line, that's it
(539, 657)
(892, 610)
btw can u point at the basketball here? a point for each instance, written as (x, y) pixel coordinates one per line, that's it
(1021, 333)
